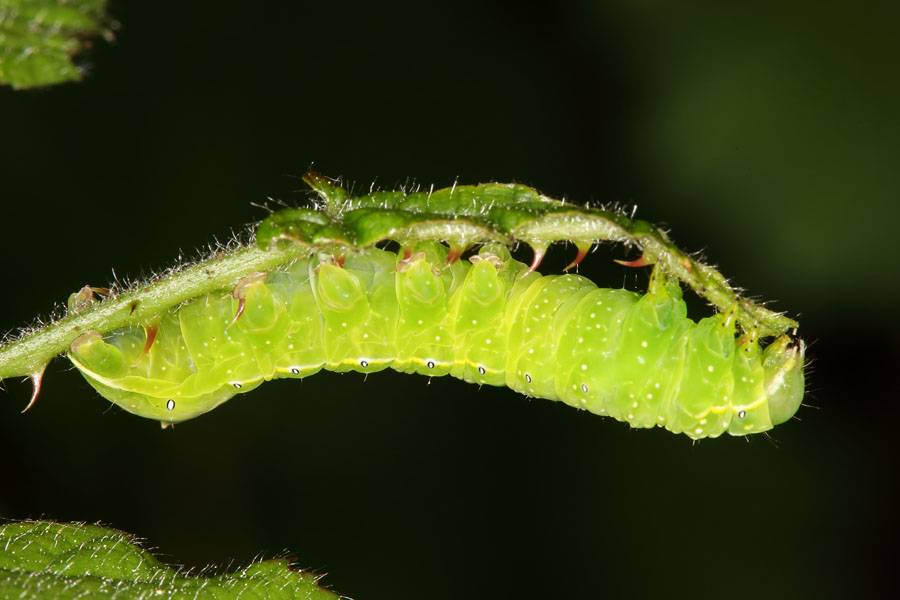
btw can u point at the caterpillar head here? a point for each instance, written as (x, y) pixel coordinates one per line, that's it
(783, 365)
(768, 384)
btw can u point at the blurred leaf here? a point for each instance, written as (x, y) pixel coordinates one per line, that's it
(39, 37)
(41, 559)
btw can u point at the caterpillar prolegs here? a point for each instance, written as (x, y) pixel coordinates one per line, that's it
(487, 320)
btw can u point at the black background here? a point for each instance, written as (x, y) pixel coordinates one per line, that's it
(766, 134)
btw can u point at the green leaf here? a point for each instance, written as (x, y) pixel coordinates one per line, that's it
(42, 559)
(39, 37)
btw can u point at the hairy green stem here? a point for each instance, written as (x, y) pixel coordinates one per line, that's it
(30, 354)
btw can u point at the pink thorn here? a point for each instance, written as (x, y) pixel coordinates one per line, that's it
(151, 337)
(339, 260)
(36, 379)
(638, 262)
(242, 303)
(407, 252)
(455, 254)
(536, 261)
(582, 252)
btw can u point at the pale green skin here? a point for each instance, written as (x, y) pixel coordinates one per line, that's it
(612, 352)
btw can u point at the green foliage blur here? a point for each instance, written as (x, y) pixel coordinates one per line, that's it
(38, 39)
(765, 134)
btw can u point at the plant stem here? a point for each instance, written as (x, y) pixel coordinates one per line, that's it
(29, 354)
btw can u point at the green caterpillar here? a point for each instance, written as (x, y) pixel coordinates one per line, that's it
(610, 351)
(343, 304)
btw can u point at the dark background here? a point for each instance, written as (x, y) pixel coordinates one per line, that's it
(766, 134)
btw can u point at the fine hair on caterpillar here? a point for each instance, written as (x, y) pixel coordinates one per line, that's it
(318, 292)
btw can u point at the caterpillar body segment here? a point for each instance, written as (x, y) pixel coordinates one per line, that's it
(486, 320)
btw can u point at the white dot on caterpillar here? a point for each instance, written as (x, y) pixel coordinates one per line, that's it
(703, 421)
(698, 430)
(474, 321)
(487, 341)
(634, 405)
(649, 396)
(710, 368)
(364, 363)
(583, 367)
(527, 377)
(437, 338)
(365, 336)
(531, 351)
(481, 370)
(641, 359)
(290, 346)
(581, 340)
(643, 344)
(742, 414)
(170, 405)
(593, 315)
(343, 324)
(295, 370)
(420, 321)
